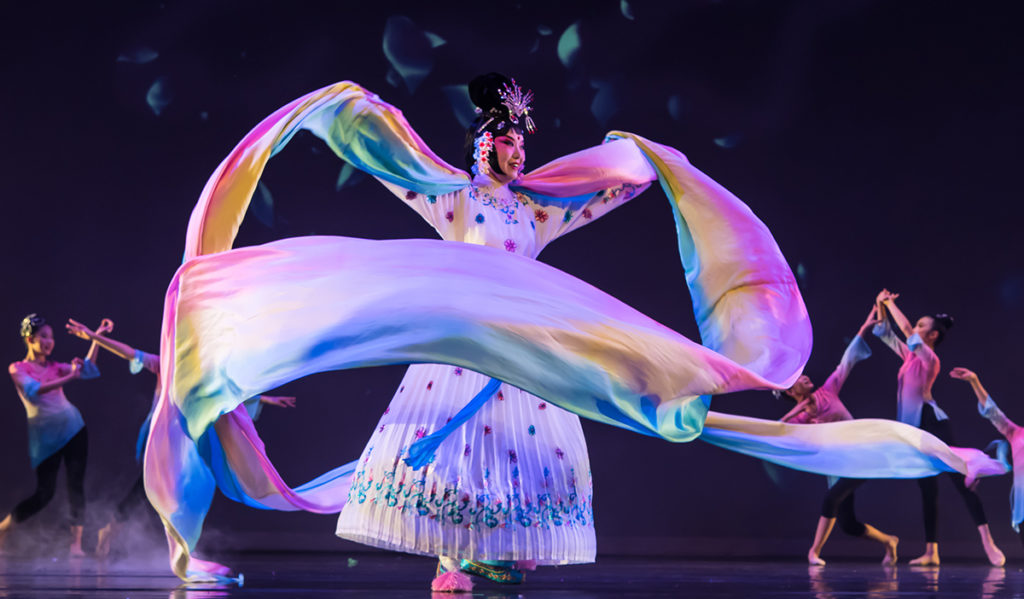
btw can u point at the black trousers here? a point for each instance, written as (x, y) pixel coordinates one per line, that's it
(838, 504)
(135, 497)
(930, 486)
(74, 455)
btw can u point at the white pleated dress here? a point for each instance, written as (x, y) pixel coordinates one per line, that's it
(514, 482)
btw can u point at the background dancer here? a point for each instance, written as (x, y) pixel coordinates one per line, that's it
(138, 361)
(1009, 429)
(917, 407)
(815, 406)
(56, 431)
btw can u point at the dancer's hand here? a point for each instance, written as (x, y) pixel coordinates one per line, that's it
(963, 374)
(106, 326)
(78, 329)
(869, 322)
(76, 368)
(281, 401)
(885, 296)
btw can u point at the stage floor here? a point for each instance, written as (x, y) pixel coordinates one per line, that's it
(293, 575)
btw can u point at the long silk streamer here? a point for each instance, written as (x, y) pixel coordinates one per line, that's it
(239, 322)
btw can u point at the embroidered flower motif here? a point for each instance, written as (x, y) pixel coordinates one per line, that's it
(560, 453)
(411, 195)
(466, 451)
(381, 429)
(510, 245)
(458, 371)
(542, 406)
(402, 388)
(506, 205)
(567, 217)
(449, 216)
(431, 199)
(487, 430)
(587, 214)
(532, 430)
(479, 218)
(430, 385)
(500, 396)
(540, 215)
(421, 432)
(512, 457)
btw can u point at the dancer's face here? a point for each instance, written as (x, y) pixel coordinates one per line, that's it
(801, 387)
(925, 328)
(510, 153)
(42, 342)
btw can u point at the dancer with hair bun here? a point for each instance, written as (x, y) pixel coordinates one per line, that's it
(917, 407)
(56, 431)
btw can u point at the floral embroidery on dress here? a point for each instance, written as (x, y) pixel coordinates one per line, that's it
(510, 245)
(479, 218)
(456, 507)
(500, 395)
(540, 215)
(458, 371)
(466, 451)
(532, 430)
(431, 199)
(512, 457)
(542, 406)
(507, 206)
(410, 195)
(567, 217)
(421, 432)
(430, 385)
(587, 214)
(560, 453)
(449, 216)
(487, 430)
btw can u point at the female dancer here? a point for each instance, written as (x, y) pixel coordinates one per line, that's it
(138, 361)
(513, 484)
(1009, 429)
(823, 405)
(916, 407)
(56, 431)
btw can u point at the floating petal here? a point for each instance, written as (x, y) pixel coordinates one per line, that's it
(435, 40)
(605, 102)
(159, 95)
(675, 107)
(727, 141)
(408, 49)
(140, 55)
(569, 44)
(627, 10)
(263, 206)
(544, 30)
(348, 177)
(462, 106)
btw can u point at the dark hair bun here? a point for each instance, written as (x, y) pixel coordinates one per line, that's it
(944, 319)
(484, 91)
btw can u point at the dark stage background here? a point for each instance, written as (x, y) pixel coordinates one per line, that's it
(880, 142)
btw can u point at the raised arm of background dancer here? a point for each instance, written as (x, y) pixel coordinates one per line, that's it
(800, 407)
(883, 330)
(115, 347)
(897, 315)
(106, 325)
(986, 407)
(855, 352)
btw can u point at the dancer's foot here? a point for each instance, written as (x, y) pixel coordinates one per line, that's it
(814, 559)
(890, 550)
(448, 579)
(995, 556)
(925, 560)
(103, 539)
(5, 528)
(498, 573)
(76, 541)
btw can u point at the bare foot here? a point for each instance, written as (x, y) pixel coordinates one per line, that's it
(890, 551)
(927, 559)
(76, 551)
(995, 556)
(103, 540)
(814, 559)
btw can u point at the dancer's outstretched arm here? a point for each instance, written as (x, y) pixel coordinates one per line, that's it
(800, 407)
(888, 300)
(986, 406)
(106, 325)
(115, 347)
